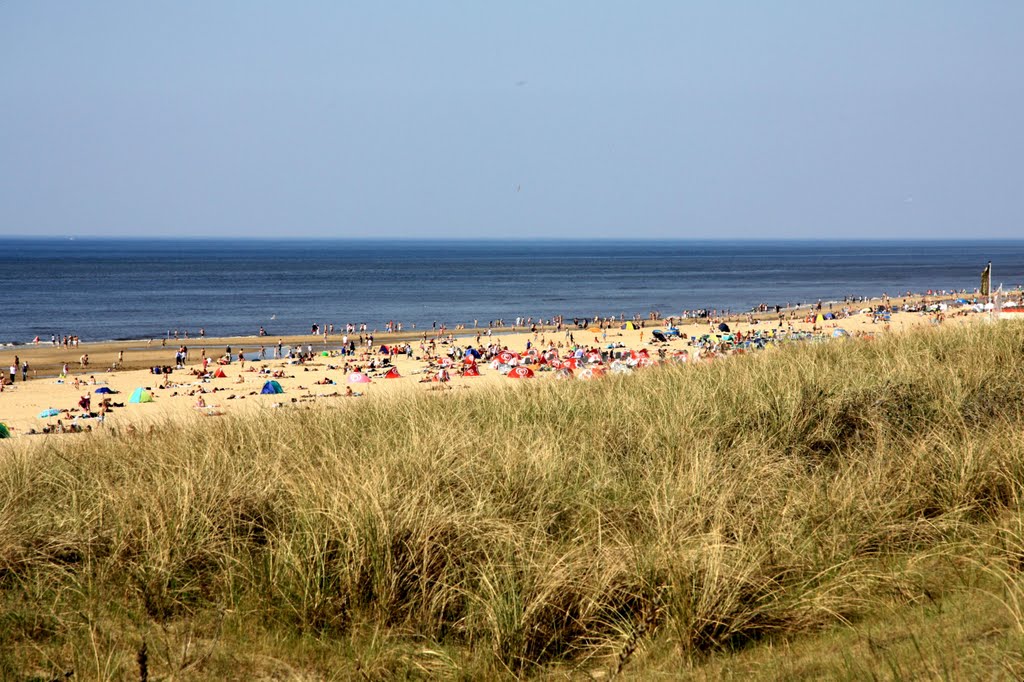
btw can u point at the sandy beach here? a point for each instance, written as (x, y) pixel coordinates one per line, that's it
(184, 395)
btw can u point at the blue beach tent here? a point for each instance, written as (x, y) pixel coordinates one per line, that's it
(272, 387)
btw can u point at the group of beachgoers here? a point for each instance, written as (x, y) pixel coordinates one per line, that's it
(581, 347)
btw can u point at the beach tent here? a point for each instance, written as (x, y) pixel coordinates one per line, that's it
(659, 336)
(358, 378)
(271, 387)
(837, 333)
(393, 374)
(325, 354)
(51, 412)
(219, 374)
(506, 357)
(4, 431)
(631, 326)
(141, 395)
(520, 373)
(723, 327)
(104, 389)
(471, 371)
(819, 319)
(563, 373)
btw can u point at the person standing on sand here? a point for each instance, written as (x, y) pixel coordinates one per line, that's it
(14, 372)
(24, 370)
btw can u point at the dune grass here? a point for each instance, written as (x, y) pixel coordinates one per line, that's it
(684, 521)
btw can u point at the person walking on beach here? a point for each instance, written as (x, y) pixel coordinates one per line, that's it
(14, 372)
(24, 370)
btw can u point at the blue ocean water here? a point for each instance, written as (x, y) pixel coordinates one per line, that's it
(104, 289)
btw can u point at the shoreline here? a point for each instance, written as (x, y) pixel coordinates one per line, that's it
(176, 394)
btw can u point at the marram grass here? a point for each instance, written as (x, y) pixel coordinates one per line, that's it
(653, 523)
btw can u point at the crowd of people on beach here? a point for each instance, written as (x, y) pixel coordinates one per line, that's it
(582, 347)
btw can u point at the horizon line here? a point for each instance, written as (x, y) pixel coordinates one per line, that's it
(505, 239)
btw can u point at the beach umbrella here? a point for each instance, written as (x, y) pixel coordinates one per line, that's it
(520, 373)
(51, 412)
(358, 378)
(104, 389)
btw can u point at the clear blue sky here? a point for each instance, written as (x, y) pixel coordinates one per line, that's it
(655, 119)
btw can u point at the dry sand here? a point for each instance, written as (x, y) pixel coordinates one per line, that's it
(239, 392)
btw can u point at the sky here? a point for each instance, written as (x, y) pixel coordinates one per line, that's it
(677, 120)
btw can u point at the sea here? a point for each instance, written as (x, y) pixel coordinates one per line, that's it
(114, 289)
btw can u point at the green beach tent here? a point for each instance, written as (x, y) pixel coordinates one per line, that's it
(141, 395)
(4, 431)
